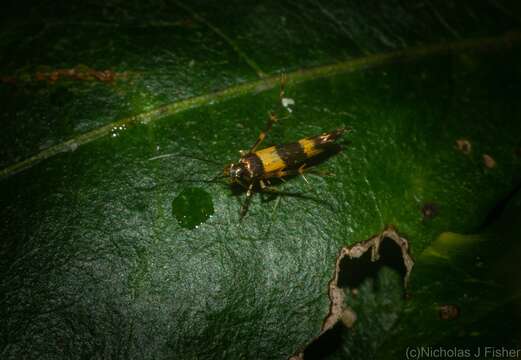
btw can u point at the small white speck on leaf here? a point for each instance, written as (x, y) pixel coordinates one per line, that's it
(287, 102)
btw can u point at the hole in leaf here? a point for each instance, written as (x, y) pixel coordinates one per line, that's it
(326, 344)
(354, 271)
(369, 278)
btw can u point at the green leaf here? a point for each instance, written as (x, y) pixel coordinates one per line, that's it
(477, 277)
(102, 255)
(463, 298)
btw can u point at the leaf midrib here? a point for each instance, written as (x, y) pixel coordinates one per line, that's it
(266, 83)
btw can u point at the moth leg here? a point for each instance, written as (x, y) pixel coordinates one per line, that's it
(289, 172)
(300, 171)
(271, 190)
(320, 173)
(292, 172)
(283, 81)
(265, 189)
(272, 119)
(246, 204)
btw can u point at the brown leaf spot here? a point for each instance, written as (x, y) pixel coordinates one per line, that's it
(8, 80)
(55, 75)
(429, 211)
(464, 146)
(105, 75)
(448, 311)
(517, 152)
(79, 73)
(489, 161)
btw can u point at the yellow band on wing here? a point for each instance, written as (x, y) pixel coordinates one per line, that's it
(309, 147)
(270, 159)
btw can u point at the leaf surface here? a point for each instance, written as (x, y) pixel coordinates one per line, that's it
(94, 261)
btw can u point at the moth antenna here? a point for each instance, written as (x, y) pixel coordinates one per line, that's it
(160, 157)
(216, 179)
(184, 156)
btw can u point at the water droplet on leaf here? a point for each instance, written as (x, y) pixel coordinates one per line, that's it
(192, 207)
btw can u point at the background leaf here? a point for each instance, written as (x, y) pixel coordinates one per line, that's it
(93, 261)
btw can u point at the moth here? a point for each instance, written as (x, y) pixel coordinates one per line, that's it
(255, 168)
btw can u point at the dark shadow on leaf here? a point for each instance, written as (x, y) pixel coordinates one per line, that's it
(353, 272)
(326, 344)
(499, 207)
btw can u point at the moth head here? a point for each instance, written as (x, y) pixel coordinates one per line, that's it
(235, 171)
